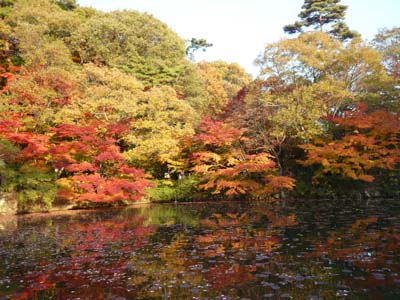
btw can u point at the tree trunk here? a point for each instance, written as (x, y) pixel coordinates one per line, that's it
(320, 22)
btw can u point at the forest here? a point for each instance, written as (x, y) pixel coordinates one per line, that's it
(102, 109)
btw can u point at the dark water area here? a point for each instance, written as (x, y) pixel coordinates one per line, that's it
(242, 250)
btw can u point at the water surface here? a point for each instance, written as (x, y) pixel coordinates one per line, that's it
(241, 250)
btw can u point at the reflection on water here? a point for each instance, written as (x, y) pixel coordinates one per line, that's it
(304, 250)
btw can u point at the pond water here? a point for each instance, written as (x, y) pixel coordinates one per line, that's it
(239, 250)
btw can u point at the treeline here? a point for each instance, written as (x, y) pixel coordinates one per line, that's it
(105, 108)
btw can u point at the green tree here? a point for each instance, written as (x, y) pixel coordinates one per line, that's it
(190, 87)
(67, 4)
(387, 42)
(7, 42)
(386, 90)
(6, 7)
(41, 35)
(196, 44)
(317, 14)
(133, 42)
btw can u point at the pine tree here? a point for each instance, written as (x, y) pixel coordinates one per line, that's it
(318, 13)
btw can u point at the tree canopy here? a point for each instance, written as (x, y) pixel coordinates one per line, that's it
(317, 14)
(106, 108)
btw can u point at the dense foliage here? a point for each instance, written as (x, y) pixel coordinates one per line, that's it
(105, 108)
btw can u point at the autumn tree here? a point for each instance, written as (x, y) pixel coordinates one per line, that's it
(301, 83)
(214, 87)
(90, 167)
(42, 97)
(159, 118)
(162, 119)
(318, 14)
(227, 168)
(24, 170)
(81, 164)
(221, 82)
(310, 62)
(44, 158)
(91, 101)
(234, 77)
(91, 119)
(364, 143)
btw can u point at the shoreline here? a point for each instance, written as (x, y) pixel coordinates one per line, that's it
(72, 211)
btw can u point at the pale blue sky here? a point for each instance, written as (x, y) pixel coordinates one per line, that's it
(239, 29)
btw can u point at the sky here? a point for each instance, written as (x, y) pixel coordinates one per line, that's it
(240, 29)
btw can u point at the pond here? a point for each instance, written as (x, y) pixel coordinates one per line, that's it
(226, 250)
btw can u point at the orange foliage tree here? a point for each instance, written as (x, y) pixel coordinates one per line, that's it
(228, 169)
(366, 142)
